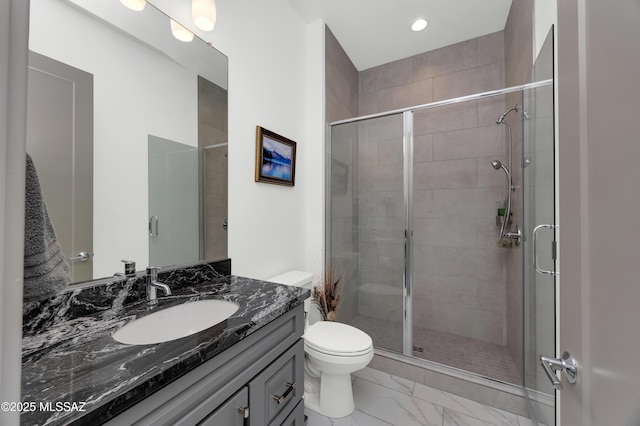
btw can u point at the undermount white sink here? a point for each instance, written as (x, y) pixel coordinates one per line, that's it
(175, 322)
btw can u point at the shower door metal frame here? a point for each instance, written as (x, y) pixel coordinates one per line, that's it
(407, 293)
(407, 113)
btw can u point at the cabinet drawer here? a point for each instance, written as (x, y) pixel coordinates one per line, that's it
(296, 418)
(278, 388)
(231, 412)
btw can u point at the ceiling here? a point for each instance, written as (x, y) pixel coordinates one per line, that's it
(374, 32)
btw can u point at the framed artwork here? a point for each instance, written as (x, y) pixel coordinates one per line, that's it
(275, 158)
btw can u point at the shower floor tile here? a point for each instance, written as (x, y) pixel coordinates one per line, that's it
(476, 356)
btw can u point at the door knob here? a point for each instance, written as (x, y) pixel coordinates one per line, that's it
(567, 364)
(83, 256)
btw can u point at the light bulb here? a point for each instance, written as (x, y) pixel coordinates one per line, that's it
(419, 24)
(204, 14)
(136, 5)
(180, 32)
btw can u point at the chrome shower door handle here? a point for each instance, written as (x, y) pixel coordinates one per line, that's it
(83, 256)
(535, 250)
(567, 365)
(153, 226)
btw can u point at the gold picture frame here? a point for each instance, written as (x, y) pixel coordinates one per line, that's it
(275, 158)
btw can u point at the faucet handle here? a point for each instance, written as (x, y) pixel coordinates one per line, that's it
(152, 271)
(129, 268)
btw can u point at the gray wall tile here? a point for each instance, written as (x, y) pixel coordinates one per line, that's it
(469, 143)
(447, 60)
(446, 174)
(422, 148)
(470, 81)
(446, 118)
(368, 103)
(491, 48)
(405, 96)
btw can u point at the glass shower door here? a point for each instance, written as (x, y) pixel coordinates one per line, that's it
(539, 245)
(368, 226)
(174, 209)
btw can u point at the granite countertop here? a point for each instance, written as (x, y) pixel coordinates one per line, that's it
(69, 355)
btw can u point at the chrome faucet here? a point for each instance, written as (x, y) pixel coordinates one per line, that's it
(129, 269)
(153, 284)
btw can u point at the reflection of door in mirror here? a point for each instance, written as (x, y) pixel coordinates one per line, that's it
(174, 207)
(212, 139)
(60, 141)
(215, 191)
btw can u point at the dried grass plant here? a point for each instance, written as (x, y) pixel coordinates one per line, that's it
(326, 295)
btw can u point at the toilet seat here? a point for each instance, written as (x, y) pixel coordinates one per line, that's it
(337, 339)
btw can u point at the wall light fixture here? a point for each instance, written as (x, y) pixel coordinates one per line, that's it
(204, 14)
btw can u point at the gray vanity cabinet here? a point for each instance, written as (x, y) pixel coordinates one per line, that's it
(234, 412)
(259, 381)
(278, 388)
(296, 418)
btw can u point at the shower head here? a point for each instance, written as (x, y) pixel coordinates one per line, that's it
(498, 165)
(500, 119)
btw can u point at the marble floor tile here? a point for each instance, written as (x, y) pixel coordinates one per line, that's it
(382, 400)
(395, 407)
(358, 418)
(465, 406)
(524, 421)
(453, 418)
(387, 380)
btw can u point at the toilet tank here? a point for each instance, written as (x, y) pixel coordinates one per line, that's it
(300, 279)
(294, 278)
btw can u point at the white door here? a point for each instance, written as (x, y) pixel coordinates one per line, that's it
(60, 142)
(599, 205)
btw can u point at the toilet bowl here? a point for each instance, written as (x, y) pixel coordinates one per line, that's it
(332, 352)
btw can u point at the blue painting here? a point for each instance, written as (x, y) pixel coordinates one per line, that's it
(276, 159)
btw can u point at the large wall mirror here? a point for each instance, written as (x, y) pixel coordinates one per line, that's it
(127, 129)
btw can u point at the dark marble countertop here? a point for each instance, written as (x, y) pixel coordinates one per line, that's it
(69, 354)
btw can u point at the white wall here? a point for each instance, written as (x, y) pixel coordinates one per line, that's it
(545, 15)
(316, 151)
(267, 87)
(275, 80)
(265, 44)
(130, 94)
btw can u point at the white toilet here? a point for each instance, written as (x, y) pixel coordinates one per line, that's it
(332, 352)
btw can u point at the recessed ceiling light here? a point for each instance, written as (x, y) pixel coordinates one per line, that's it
(419, 24)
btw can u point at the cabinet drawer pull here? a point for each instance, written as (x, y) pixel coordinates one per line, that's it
(244, 412)
(280, 398)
